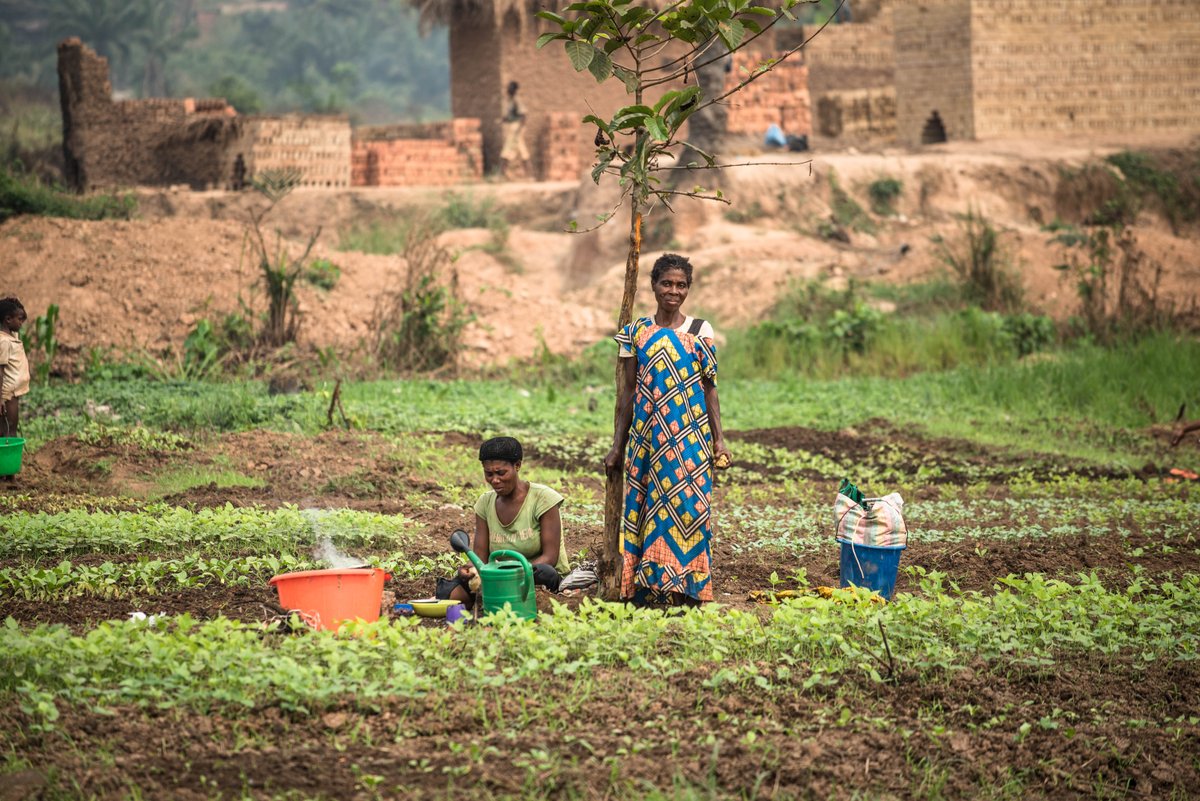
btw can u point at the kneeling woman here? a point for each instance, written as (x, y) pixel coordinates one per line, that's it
(516, 515)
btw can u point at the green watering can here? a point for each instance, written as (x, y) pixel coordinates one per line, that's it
(507, 579)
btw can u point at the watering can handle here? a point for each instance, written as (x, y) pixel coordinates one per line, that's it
(516, 557)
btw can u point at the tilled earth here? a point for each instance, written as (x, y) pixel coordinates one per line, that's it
(792, 743)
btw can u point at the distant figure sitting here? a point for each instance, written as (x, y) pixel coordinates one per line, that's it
(513, 128)
(774, 137)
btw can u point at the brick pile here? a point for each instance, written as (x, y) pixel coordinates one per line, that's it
(319, 147)
(780, 97)
(558, 149)
(857, 113)
(429, 154)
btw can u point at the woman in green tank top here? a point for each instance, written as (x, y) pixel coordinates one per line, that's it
(516, 515)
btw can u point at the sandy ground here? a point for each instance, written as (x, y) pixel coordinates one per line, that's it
(143, 284)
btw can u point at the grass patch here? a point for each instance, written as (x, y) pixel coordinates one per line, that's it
(26, 194)
(387, 236)
(190, 478)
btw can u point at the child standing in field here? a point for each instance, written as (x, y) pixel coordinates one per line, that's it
(14, 367)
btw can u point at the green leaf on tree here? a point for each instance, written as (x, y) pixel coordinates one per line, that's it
(601, 66)
(657, 129)
(581, 54)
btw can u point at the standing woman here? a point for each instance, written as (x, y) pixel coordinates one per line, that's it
(668, 433)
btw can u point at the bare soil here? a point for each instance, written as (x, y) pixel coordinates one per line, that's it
(412, 747)
(143, 284)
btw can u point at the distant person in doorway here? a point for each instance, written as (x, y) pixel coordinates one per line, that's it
(14, 368)
(514, 156)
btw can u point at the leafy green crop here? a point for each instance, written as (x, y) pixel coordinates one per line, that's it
(229, 665)
(224, 530)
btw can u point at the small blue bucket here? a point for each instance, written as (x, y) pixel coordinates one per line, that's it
(872, 566)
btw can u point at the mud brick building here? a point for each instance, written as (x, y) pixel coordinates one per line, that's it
(1005, 68)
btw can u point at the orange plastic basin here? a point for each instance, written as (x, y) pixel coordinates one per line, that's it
(328, 598)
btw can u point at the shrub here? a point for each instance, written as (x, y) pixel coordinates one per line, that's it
(279, 271)
(41, 335)
(323, 274)
(982, 266)
(1116, 283)
(845, 209)
(1175, 185)
(419, 326)
(883, 194)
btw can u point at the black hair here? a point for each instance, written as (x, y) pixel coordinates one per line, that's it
(500, 449)
(9, 306)
(513, 86)
(671, 261)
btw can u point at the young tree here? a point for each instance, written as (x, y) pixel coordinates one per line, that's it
(656, 50)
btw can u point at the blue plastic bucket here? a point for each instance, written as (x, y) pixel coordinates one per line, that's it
(872, 566)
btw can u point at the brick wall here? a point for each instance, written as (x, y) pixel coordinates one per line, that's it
(433, 154)
(933, 68)
(1036, 67)
(858, 55)
(780, 97)
(1056, 66)
(549, 86)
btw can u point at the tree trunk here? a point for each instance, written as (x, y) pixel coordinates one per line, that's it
(611, 561)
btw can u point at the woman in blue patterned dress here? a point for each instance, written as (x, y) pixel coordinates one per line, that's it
(668, 434)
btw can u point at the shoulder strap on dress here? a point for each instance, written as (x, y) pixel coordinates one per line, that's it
(694, 328)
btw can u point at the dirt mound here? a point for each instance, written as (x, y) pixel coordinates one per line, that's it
(144, 283)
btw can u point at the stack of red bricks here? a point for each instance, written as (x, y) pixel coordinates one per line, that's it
(780, 97)
(433, 154)
(559, 147)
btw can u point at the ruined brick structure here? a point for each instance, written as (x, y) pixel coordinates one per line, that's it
(199, 143)
(108, 143)
(1004, 68)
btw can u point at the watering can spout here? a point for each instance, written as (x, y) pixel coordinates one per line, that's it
(460, 542)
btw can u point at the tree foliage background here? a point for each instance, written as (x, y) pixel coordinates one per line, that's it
(362, 57)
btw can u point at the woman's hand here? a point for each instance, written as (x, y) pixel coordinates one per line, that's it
(722, 458)
(614, 460)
